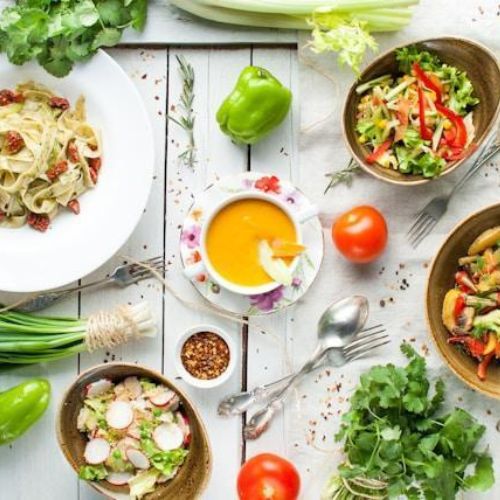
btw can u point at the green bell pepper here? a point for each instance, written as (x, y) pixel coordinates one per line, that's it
(257, 105)
(21, 406)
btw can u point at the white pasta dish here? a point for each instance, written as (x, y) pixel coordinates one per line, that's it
(49, 155)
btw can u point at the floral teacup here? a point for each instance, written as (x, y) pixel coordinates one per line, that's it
(204, 265)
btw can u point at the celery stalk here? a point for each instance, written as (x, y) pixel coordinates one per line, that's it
(241, 18)
(306, 7)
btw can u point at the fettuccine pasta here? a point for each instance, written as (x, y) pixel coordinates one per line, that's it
(49, 155)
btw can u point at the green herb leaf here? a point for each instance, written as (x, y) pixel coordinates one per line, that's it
(396, 444)
(483, 477)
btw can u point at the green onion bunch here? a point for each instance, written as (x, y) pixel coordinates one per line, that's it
(28, 338)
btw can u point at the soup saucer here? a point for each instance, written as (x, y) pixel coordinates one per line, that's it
(305, 271)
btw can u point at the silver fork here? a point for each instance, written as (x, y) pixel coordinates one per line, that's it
(357, 348)
(430, 215)
(240, 402)
(124, 275)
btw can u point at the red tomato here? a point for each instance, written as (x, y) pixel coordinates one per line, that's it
(360, 234)
(268, 477)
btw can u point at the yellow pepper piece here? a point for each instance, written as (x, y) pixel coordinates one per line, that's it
(492, 343)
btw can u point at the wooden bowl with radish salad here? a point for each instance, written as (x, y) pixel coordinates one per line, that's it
(131, 401)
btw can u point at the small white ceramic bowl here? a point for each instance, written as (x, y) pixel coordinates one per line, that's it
(196, 382)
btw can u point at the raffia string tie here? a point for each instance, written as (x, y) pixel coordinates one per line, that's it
(110, 328)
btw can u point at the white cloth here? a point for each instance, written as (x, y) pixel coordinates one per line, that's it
(322, 150)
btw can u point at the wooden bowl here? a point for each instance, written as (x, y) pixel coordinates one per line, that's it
(441, 279)
(482, 68)
(193, 474)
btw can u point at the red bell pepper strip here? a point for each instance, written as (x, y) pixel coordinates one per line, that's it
(379, 151)
(459, 306)
(482, 367)
(475, 346)
(425, 133)
(461, 132)
(427, 82)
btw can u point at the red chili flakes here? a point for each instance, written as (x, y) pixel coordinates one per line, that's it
(205, 355)
(38, 222)
(72, 152)
(59, 103)
(74, 206)
(56, 170)
(14, 142)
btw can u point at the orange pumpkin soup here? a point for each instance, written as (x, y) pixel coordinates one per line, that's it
(234, 235)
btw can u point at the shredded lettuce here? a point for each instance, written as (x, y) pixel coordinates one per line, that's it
(460, 87)
(350, 38)
(143, 483)
(407, 56)
(167, 461)
(93, 472)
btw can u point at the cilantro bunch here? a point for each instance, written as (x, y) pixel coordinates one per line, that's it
(396, 442)
(58, 33)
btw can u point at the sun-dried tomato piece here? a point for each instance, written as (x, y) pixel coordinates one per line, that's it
(18, 97)
(14, 142)
(6, 97)
(56, 170)
(2, 215)
(74, 206)
(72, 152)
(59, 103)
(95, 163)
(93, 175)
(38, 222)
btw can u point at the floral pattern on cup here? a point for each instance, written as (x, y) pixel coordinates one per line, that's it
(305, 271)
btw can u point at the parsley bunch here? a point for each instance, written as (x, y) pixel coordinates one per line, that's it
(396, 443)
(58, 33)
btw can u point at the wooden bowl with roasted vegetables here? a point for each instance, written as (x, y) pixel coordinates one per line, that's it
(463, 301)
(130, 432)
(420, 110)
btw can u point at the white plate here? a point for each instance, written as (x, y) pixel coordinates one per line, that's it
(76, 245)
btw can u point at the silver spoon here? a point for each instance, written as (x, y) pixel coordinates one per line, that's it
(240, 402)
(336, 329)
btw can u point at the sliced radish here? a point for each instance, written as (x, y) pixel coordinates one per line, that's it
(162, 398)
(119, 478)
(133, 387)
(183, 423)
(137, 458)
(168, 437)
(96, 451)
(127, 443)
(98, 387)
(119, 415)
(134, 431)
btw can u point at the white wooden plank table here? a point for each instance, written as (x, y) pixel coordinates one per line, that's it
(33, 468)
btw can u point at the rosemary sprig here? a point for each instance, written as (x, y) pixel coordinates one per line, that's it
(345, 175)
(187, 119)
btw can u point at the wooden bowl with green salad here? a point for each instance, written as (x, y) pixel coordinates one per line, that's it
(419, 111)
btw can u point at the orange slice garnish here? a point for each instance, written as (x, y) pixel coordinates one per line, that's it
(286, 248)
